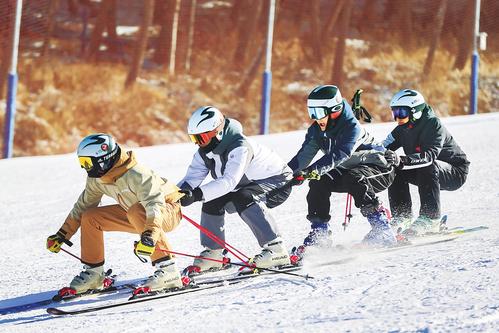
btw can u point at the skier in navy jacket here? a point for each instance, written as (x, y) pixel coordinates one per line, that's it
(433, 161)
(352, 163)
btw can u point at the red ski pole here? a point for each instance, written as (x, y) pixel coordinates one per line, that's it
(238, 264)
(231, 249)
(348, 211)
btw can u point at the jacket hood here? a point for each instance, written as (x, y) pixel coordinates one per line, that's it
(233, 130)
(125, 162)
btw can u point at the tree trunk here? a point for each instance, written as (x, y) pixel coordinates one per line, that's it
(173, 48)
(246, 30)
(6, 26)
(439, 22)
(333, 18)
(337, 74)
(250, 75)
(50, 26)
(141, 43)
(163, 43)
(315, 23)
(100, 25)
(111, 28)
(466, 37)
(192, 24)
(369, 18)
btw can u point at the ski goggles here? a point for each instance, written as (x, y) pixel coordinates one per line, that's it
(203, 138)
(319, 112)
(86, 162)
(400, 112)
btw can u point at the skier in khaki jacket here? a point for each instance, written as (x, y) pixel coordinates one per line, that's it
(147, 205)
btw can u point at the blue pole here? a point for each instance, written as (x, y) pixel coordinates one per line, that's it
(267, 74)
(8, 140)
(265, 113)
(475, 60)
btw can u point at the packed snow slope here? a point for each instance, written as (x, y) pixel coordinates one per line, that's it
(447, 287)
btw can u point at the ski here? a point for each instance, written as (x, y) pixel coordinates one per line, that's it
(142, 298)
(56, 299)
(198, 285)
(239, 277)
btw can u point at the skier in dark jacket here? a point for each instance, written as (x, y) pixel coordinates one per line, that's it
(352, 163)
(433, 161)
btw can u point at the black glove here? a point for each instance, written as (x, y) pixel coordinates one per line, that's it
(191, 196)
(393, 159)
(298, 179)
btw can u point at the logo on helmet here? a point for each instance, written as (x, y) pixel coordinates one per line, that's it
(208, 114)
(104, 147)
(408, 92)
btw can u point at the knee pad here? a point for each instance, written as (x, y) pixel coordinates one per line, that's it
(213, 207)
(242, 199)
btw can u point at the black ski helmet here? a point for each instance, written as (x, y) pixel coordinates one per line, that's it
(97, 154)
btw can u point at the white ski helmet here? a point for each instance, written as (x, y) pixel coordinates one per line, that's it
(407, 102)
(324, 100)
(97, 154)
(206, 123)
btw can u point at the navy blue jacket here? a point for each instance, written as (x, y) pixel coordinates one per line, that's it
(342, 137)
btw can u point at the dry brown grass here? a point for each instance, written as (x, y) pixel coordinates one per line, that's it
(60, 102)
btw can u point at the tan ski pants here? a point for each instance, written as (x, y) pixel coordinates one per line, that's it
(114, 218)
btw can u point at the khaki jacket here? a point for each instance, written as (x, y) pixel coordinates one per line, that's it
(128, 183)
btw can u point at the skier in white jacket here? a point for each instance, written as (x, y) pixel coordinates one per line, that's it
(244, 174)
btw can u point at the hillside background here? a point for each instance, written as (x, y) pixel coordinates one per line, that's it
(137, 69)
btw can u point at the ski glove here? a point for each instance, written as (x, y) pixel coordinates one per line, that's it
(298, 179)
(300, 176)
(191, 196)
(393, 159)
(145, 247)
(54, 242)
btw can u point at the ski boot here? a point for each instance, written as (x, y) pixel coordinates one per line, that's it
(380, 235)
(400, 223)
(165, 278)
(424, 225)
(319, 235)
(274, 254)
(208, 261)
(91, 279)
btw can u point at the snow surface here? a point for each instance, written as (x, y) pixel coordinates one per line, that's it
(447, 287)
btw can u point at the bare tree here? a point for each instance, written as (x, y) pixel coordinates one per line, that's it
(192, 21)
(332, 19)
(164, 17)
(315, 23)
(6, 26)
(50, 26)
(465, 42)
(250, 75)
(437, 31)
(399, 15)
(173, 48)
(141, 43)
(337, 74)
(106, 7)
(247, 28)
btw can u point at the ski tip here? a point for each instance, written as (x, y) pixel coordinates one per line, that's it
(56, 311)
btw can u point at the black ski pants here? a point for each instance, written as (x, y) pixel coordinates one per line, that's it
(430, 181)
(362, 182)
